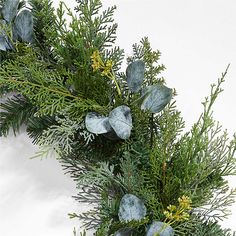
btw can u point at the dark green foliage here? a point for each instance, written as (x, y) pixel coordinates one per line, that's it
(15, 112)
(198, 227)
(37, 125)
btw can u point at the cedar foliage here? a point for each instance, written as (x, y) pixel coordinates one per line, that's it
(54, 86)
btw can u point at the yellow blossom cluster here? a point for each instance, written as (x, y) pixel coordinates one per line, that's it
(180, 212)
(104, 67)
(98, 64)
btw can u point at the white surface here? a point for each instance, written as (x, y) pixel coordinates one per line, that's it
(197, 41)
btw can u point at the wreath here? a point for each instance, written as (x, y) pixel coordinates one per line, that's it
(118, 134)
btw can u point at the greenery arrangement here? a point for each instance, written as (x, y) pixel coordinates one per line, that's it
(118, 134)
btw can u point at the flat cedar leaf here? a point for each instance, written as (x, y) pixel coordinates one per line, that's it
(23, 26)
(9, 9)
(97, 124)
(121, 121)
(131, 208)
(160, 228)
(135, 75)
(156, 97)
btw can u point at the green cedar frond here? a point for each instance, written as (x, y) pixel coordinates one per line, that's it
(198, 227)
(42, 87)
(60, 136)
(44, 26)
(15, 112)
(37, 125)
(143, 51)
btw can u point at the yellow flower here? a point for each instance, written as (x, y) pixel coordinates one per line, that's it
(108, 68)
(179, 213)
(184, 202)
(172, 208)
(105, 68)
(96, 61)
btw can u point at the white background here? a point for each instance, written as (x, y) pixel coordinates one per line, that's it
(197, 40)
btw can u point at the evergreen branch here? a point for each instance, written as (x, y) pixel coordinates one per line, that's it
(43, 88)
(37, 125)
(215, 91)
(15, 112)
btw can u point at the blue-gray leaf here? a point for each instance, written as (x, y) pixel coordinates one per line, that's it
(121, 121)
(5, 43)
(2, 44)
(131, 208)
(135, 75)
(9, 9)
(123, 232)
(97, 124)
(156, 97)
(160, 228)
(23, 26)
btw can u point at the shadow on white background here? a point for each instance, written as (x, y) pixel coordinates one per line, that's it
(35, 195)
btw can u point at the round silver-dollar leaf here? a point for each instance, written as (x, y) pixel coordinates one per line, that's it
(156, 97)
(120, 120)
(123, 232)
(24, 26)
(9, 9)
(160, 228)
(5, 43)
(135, 75)
(97, 124)
(131, 208)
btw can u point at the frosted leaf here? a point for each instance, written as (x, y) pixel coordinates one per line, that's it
(23, 26)
(2, 44)
(156, 97)
(123, 232)
(131, 208)
(160, 228)
(121, 121)
(135, 75)
(5, 43)
(9, 9)
(97, 124)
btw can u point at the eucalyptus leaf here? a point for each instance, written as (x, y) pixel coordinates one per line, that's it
(156, 97)
(23, 26)
(9, 9)
(135, 75)
(2, 44)
(97, 124)
(120, 120)
(123, 232)
(131, 208)
(160, 228)
(5, 43)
